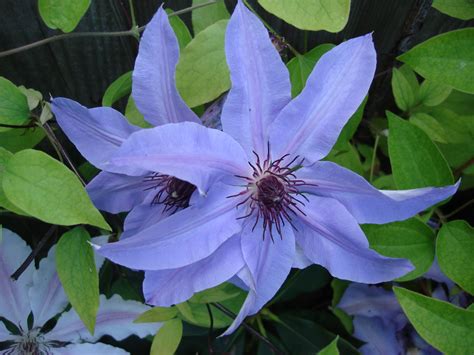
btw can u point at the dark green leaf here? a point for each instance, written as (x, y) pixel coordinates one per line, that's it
(180, 29)
(18, 139)
(416, 161)
(463, 9)
(402, 91)
(14, 108)
(121, 87)
(301, 66)
(410, 239)
(134, 116)
(433, 94)
(447, 59)
(455, 252)
(448, 328)
(77, 271)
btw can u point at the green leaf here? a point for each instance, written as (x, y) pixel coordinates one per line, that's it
(447, 59)
(459, 103)
(410, 239)
(44, 188)
(205, 16)
(346, 156)
(455, 252)
(433, 94)
(14, 108)
(402, 91)
(168, 337)
(33, 97)
(134, 116)
(5, 156)
(351, 126)
(18, 139)
(462, 9)
(448, 328)
(302, 65)
(180, 30)
(121, 87)
(430, 126)
(62, 14)
(331, 349)
(219, 293)
(78, 274)
(157, 314)
(416, 161)
(202, 73)
(312, 15)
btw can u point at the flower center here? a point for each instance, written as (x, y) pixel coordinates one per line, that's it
(172, 192)
(272, 193)
(30, 343)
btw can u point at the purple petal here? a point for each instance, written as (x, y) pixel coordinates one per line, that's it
(331, 237)
(116, 193)
(14, 305)
(143, 216)
(371, 301)
(380, 337)
(168, 287)
(115, 318)
(89, 349)
(47, 297)
(96, 133)
(193, 153)
(181, 239)
(310, 124)
(269, 263)
(153, 85)
(365, 202)
(260, 81)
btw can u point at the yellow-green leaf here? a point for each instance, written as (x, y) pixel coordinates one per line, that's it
(78, 274)
(168, 337)
(157, 314)
(202, 73)
(312, 15)
(63, 14)
(463, 9)
(205, 16)
(14, 108)
(44, 188)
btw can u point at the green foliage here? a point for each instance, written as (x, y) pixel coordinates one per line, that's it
(168, 337)
(433, 94)
(416, 161)
(312, 15)
(219, 293)
(62, 14)
(331, 349)
(18, 139)
(202, 74)
(463, 9)
(14, 108)
(157, 314)
(446, 59)
(455, 252)
(44, 188)
(448, 328)
(301, 66)
(405, 96)
(180, 29)
(205, 16)
(5, 156)
(121, 87)
(134, 116)
(410, 239)
(77, 272)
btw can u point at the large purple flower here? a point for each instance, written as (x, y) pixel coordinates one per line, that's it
(267, 201)
(98, 133)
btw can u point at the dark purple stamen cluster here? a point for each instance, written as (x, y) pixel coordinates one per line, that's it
(272, 192)
(172, 192)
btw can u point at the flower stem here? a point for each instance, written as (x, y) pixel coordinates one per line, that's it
(33, 253)
(252, 331)
(460, 208)
(60, 37)
(374, 156)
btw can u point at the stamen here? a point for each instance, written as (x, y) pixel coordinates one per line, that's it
(272, 193)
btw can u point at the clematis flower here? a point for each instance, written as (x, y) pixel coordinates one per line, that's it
(98, 132)
(380, 322)
(39, 291)
(267, 200)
